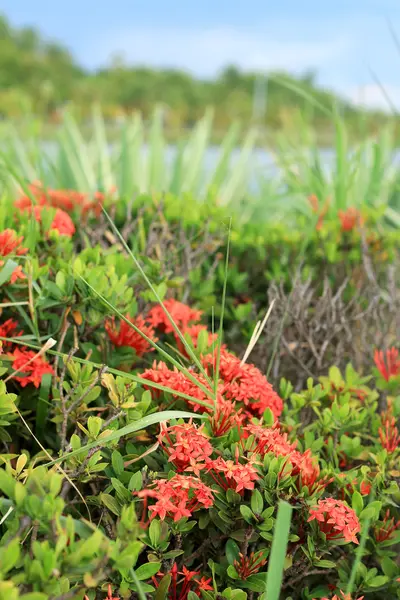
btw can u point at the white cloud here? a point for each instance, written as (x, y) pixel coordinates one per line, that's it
(206, 51)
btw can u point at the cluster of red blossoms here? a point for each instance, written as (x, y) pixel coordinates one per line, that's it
(388, 364)
(182, 315)
(190, 581)
(122, 334)
(177, 497)
(336, 520)
(29, 366)
(66, 200)
(386, 530)
(187, 446)
(349, 218)
(300, 465)
(10, 243)
(245, 383)
(61, 202)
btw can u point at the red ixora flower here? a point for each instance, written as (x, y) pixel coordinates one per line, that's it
(232, 474)
(386, 530)
(388, 364)
(186, 445)
(249, 565)
(245, 383)
(10, 243)
(30, 366)
(67, 200)
(336, 520)
(61, 222)
(303, 466)
(349, 218)
(389, 433)
(177, 497)
(124, 335)
(181, 314)
(189, 582)
(8, 329)
(178, 381)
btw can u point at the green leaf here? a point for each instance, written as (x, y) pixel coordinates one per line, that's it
(7, 484)
(117, 462)
(148, 570)
(7, 271)
(247, 514)
(326, 564)
(9, 555)
(389, 567)
(233, 574)
(357, 503)
(155, 532)
(232, 551)
(135, 482)
(162, 589)
(378, 581)
(111, 503)
(256, 502)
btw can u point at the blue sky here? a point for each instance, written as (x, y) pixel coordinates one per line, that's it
(340, 39)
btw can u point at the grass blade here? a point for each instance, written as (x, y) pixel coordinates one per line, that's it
(143, 423)
(278, 551)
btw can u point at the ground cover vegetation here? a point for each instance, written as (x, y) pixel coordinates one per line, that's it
(195, 403)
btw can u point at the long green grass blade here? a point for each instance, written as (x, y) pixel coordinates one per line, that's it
(278, 551)
(143, 423)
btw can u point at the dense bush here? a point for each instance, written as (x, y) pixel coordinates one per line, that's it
(142, 458)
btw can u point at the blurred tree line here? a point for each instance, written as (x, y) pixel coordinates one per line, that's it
(42, 77)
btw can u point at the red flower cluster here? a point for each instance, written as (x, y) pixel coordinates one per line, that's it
(388, 364)
(8, 329)
(386, 530)
(269, 439)
(304, 466)
(66, 200)
(336, 520)
(179, 382)
(186, 445)
(61, 222)
(124, 335)
(389, 434)
(178, 497)
(249, 565)
(30, 366)
(225, 417)
(181, 314)
(179, 588)
(10, 243)
(350, 218)
(245, 383)
(229, 474)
